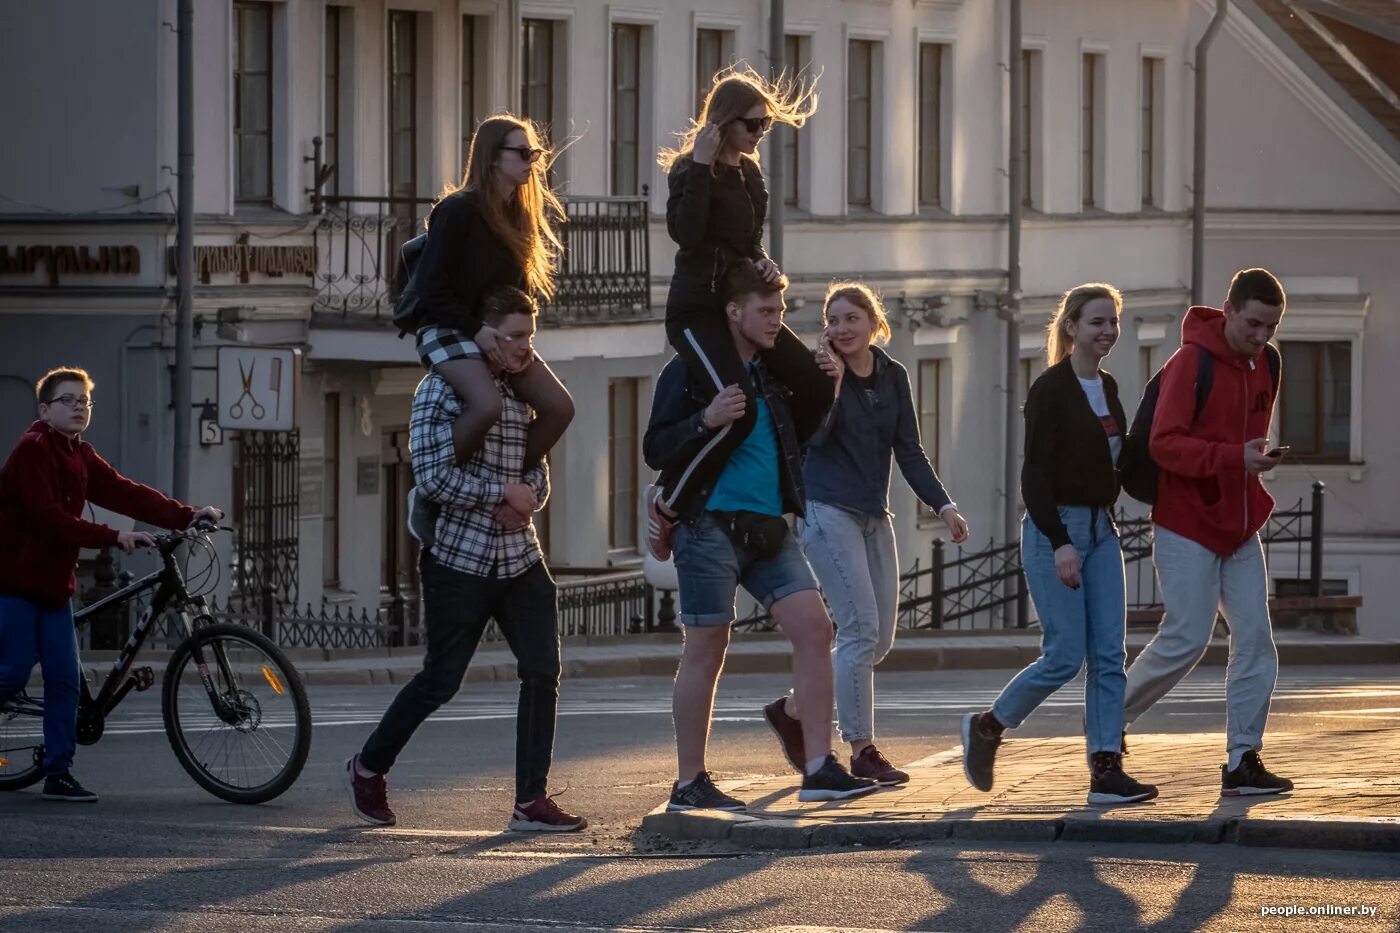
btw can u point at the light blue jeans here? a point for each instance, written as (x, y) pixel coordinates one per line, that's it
(854, 558)
(1080, 626)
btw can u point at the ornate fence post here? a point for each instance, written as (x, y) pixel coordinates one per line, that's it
(398, 620)
(269, 605)
(107, 629)
(1315, 567)
(666, 612)
(936, 585)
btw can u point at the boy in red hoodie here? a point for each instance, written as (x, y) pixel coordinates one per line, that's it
(49, 477)
(1210, 506)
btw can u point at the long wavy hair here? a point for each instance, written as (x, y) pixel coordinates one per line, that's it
(735, 91)
(526, 223)
(865, 298)
(1058, 342)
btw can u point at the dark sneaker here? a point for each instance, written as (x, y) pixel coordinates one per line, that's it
(66, 787)
(871, 763)
(702, 794)
(789, 732)
(369, 796)
(833, 782)
(980, 743)
(422, 518)
(659, 526)
(1109, 785)
(542, 815)
(1251, 778)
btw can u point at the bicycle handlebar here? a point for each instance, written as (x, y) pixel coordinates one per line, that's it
(167, 541)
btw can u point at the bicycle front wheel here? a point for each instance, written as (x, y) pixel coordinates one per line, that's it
(236, 713)
(21, 742)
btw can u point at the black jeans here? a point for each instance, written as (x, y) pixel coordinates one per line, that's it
(456, 608)
(698, 330)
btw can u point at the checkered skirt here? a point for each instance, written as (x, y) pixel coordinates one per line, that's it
(438, 344)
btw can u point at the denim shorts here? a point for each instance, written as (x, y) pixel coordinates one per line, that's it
(709, 571)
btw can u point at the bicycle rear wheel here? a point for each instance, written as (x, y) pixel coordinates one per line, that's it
(236, 713)
(21, 742)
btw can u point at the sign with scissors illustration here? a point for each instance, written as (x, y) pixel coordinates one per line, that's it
(258, 388)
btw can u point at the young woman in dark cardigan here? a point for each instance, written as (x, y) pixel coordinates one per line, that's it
(1069, 548)
(715, 212)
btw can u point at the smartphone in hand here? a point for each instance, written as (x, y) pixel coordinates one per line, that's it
(1277, 451)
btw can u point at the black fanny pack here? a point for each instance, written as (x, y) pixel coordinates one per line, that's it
(757, 535)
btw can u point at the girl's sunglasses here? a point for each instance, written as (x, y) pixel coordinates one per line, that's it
(756, 124)
(527, 153)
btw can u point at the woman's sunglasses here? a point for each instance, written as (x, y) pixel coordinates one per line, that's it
(756, 124)
(527, 153)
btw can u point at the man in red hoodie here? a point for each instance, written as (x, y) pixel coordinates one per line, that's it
(1210, 506)
(49, 477)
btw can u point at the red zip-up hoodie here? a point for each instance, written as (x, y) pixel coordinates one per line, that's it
(1203, 490)
(44, 485)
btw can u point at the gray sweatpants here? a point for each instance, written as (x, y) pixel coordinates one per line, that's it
(1195, 582)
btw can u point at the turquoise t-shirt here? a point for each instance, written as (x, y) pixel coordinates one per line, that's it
(749, 482)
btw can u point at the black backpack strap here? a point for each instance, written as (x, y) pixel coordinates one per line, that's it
(1205, 380)
(1275, 364)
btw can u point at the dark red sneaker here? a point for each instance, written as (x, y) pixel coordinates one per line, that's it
(871, 763)
(788, 730)
(369, 796)
(660, 526)
(542, 815)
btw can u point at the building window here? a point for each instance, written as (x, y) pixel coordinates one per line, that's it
(474, 36)
(1091, 131)
(1152, 131)
(537, 89)
(860, 83)
(931, 373)
(1315, 399)
(338, 19)
(622, 464)
(403, 104)
(931, 124)
(252, 101)
(1030, 85)
(626, 107)
(1147, 361)
(330, 486)
(796, 54)
(712, 50)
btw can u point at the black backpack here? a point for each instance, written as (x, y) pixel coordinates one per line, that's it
(1137, 471)
(405, 291)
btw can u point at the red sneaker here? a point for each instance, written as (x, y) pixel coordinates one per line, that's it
(542, 815)
(659, 526)
(369, 796)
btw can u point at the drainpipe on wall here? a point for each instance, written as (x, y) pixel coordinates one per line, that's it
(1010, 310)
(1198, 168)
(184, 252)
(777, 201)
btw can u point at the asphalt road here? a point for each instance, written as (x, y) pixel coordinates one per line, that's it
(159, 853)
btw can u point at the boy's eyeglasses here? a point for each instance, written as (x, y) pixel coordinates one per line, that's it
(527, 153)
(74, 401)
(757, 124)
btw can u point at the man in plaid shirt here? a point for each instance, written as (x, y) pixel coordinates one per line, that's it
(481, 562)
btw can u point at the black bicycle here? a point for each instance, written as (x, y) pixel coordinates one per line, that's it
(235, 709)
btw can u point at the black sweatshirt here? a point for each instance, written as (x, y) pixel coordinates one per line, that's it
(1067, 455)
(462, 262)
(715, 218)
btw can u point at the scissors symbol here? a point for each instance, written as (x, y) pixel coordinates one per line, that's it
(246, 375)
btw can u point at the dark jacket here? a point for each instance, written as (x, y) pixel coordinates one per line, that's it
(848, 458)
(676, 433)
(44, 485)
(715, 218)
(1067, 454)
(462, 262)
(1204, 492)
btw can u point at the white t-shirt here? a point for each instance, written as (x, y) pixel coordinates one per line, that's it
(1099, 403)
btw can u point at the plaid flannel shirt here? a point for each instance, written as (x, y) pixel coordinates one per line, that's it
(468, 537)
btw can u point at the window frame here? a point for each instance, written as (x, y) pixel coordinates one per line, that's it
(869, 46)
(268, 9)
(624, 502)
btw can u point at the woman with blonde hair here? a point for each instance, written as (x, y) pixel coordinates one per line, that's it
(1069, 548)
(847, 533)
(497, 228)
(715, 212)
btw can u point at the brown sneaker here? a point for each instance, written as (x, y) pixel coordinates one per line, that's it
(369, 796)
(660, 526)
(789, 732)
(542, 815)
(871, 763)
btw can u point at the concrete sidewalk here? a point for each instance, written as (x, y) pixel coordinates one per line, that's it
(1346, 796)
(655, 655)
